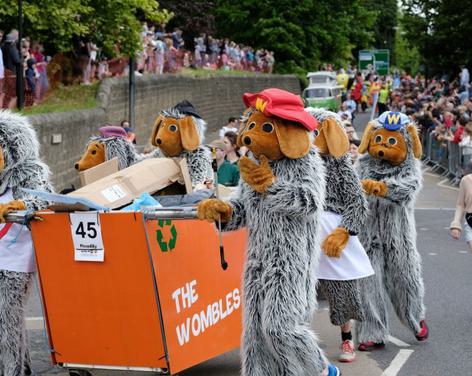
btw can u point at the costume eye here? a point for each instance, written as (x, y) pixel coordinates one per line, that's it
(316, 132)
(94, 152)
(378, 139)
(252, 125)
(267, 127)
(392, 140)
(173, 128)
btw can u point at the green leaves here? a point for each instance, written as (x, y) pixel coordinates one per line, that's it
(113, 24)
(301, 33)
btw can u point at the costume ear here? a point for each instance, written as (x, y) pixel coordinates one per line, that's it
(336, 138)
(415, 140)
(188, 133)
(366, 137)
(155, 129)
(293, 139)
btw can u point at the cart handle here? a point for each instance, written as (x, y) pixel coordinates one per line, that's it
(172, 212)
(21, 217)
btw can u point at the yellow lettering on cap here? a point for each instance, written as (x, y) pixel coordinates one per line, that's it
(393, 118)
(260, 105)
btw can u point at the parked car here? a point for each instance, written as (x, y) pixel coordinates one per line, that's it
(324, 96)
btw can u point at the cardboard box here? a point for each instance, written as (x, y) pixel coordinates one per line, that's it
(122, 187)
(100, 171)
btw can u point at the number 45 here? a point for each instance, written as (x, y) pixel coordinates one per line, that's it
(91, 231)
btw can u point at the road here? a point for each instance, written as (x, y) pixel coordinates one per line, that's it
(447, 266)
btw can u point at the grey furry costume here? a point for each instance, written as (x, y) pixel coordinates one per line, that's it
(389, 238)
(199, 160)
(23, 169)
(118, 147)
(279, 282)
(344, 196)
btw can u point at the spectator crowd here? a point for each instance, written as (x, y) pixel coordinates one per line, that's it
(162, 52)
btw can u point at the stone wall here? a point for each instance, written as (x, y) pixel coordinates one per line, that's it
(63, 136)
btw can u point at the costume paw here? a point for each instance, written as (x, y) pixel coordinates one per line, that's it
(335, 242)
(258, 176)
(10, 207)
(374, 187)
(213, 210)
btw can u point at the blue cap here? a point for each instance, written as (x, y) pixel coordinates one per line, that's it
(393, 121)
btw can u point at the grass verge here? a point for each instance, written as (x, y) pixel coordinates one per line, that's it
(66, 98)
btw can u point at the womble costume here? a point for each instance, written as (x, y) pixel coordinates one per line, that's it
(279, 201)
(391, 177)
(179, 132)
(20, 167)
(343, 260)
(111, 143)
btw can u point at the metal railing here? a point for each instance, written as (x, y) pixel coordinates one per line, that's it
(444, 157)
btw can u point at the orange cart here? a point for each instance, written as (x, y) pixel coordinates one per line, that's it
(159, 301)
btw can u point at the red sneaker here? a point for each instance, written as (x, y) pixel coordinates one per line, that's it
(423, 334)
(370, 346)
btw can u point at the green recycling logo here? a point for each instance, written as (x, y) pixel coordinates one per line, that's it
(163, 244)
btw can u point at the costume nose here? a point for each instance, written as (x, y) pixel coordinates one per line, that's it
(76, 166)
(247, 140)
(381, 153)
(159, 141)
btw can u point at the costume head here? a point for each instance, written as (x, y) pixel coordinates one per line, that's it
(111, 143)
(19, 148)
(330, 136)
(178, 129)
(276, 125)
(391, 138)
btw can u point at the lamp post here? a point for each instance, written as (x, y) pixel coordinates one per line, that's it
(132, 93)
(20, 70)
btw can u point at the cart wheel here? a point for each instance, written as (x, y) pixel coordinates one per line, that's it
(79, 372)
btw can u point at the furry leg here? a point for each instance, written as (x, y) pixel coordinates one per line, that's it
(374, 327)
(288, 336)
(256, 359)
(13, 297)
(404, 284)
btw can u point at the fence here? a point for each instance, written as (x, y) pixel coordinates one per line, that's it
(445, 157)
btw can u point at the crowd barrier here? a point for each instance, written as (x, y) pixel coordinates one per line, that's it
(445, 157)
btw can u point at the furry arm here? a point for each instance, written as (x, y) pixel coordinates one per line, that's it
(298, 189)
(344, 195)
(403, 189)
(199, 165)
(33, 175)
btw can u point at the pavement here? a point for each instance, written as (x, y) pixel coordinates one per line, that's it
(447, 266)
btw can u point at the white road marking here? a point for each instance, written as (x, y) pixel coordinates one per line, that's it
(432, 254)
(397, 363)
(448, 209)
(424, 229)
(398, 342)
(463, 252)
(34, 323)
(442, 185)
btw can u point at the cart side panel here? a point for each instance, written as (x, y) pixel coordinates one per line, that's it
(201, 303)
(100, 313)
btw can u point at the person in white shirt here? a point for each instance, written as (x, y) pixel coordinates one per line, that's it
(232, 126)
(344, 113)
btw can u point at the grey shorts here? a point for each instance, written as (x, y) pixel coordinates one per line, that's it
(467, 232)
(344, 300)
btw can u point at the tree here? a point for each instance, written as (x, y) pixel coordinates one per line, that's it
(58, 22)
(301, 33)
(438, 29)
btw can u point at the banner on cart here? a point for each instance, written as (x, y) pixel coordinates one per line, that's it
(200, 302)
(87, 237)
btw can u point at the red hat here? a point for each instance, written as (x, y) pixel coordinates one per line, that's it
(282, 104)
(112, 131)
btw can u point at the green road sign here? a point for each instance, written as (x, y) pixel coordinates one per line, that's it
(163, 244)
(375, 59)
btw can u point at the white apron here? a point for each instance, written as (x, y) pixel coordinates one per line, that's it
(16, 244)
(353, 263)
